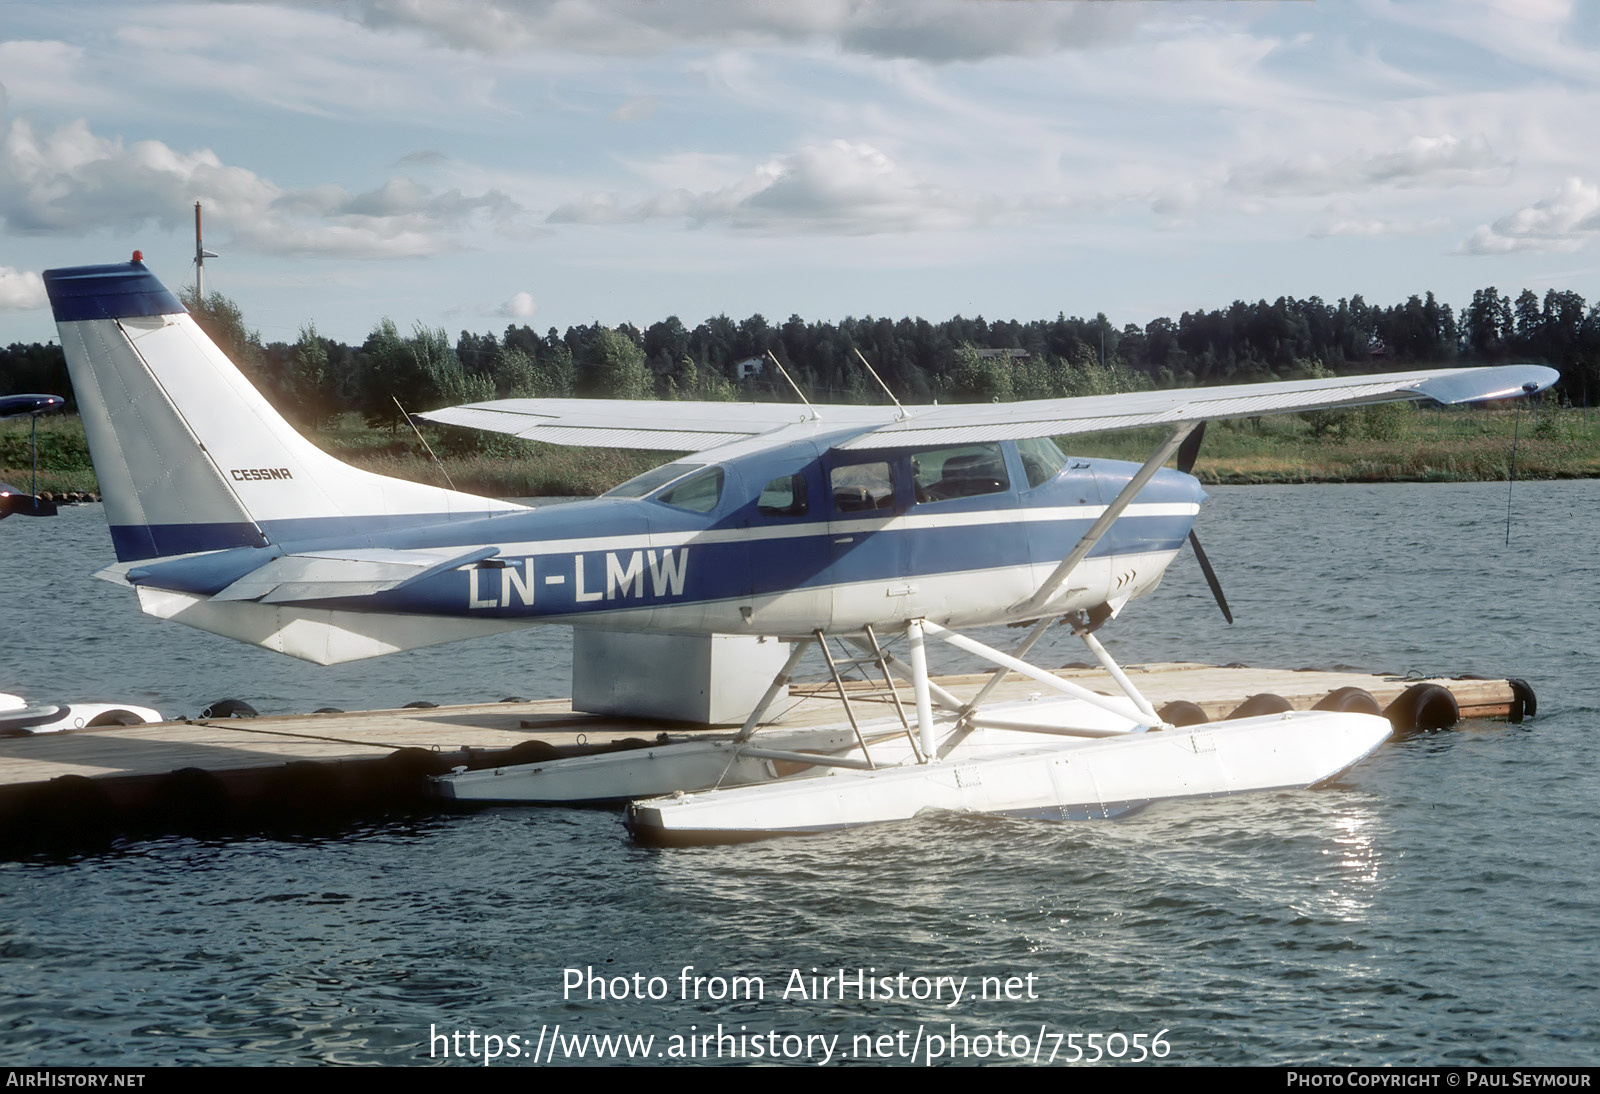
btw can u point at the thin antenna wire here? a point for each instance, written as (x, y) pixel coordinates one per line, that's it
(815, 417)
(881, 384)
(1512, 478)
(437, 461)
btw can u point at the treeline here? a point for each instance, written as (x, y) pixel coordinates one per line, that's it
(317, 378)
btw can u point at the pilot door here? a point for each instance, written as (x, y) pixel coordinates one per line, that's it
(866, 565)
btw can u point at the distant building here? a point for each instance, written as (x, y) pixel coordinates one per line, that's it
(1008, 354)
(750, 366)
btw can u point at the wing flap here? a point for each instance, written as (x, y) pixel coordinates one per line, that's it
(644, 423)
(622, 423)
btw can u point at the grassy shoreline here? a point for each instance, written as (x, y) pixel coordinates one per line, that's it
(1395, 443)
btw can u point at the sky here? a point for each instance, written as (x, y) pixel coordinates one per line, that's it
(477, 163)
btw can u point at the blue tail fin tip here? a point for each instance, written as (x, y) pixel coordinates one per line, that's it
(121, 290)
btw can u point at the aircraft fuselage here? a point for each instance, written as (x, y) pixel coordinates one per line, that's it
(778, 540)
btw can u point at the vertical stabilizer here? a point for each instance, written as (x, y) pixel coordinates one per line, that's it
(189, 456)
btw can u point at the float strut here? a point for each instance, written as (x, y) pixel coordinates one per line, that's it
(1122, 680)
(919, 686)
(779, 682)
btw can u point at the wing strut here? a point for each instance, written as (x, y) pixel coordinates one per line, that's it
(1106, 519)
(1096, 531)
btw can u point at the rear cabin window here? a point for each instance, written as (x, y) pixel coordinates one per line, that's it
(784, 497)
(1041, 459)
(964, 472)
(861, 487)
(698, 493)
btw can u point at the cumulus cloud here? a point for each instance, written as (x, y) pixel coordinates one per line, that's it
(930, 30)
(1444, 160)
(74, 181)
(520, 306)
(1565, 221)
(842, 188)
(20, 290)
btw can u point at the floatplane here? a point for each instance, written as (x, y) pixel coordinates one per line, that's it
(785, 526)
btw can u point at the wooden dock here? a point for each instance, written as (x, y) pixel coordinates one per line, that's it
(304, 769)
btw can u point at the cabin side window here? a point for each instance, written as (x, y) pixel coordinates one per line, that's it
(1041, 459)
(861, 487)
(965, 472)
(697, 493)
(783, 497)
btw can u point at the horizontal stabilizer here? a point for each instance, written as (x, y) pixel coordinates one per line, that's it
(328, 575)
(321, 635)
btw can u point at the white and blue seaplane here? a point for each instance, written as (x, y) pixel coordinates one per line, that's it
(785, 523)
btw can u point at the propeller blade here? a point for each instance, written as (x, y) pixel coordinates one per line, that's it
(1211, 576)
(1190, 449)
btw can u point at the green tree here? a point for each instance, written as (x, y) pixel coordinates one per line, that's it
(979, 379)
(1488, 324)
(614, 367)
(223, 322)
(386, 370)
(308, 381)
(444, 380)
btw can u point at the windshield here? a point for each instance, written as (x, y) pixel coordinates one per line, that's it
(640, 485)
(697, 493)
(1041, 459)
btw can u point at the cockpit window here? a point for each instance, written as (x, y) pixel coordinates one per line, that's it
(699, 493)
(860, 487)
(640, 485)
(1041, 459)
(783, 497)
(964, 472)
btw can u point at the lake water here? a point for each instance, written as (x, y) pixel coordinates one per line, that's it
(1438, 905)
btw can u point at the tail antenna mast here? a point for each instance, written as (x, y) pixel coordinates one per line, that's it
(815, 417)
(881, 384)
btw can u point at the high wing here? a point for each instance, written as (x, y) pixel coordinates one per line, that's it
(697, 426)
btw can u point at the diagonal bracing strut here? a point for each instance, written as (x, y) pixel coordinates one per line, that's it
(1096, 532)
